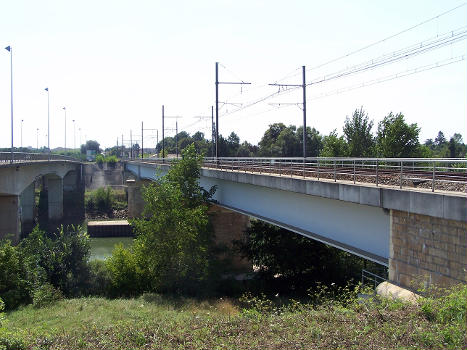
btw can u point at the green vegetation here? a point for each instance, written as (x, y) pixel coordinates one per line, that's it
(173, 249)
(291, 263)
(105, 200)
(394, 137)
(317, 322)
(59, 260)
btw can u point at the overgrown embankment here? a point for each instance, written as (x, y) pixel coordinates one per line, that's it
(322, 322)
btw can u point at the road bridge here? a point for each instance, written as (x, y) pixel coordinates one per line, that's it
(61, 176)
(406, 214)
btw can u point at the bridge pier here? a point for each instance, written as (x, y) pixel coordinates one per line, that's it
(27, 202)
(135, 197)
(10, 224)
(229, 225)
(427, 250)
(55, 197)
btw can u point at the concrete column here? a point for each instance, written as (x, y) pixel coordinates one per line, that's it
(229, 225)
(135, 198)
(27, 209)
(10, 212)
(55, 197)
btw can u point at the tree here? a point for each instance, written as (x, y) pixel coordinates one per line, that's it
(334, 146)
(90, 145)
(297, 260)
(440, 140)
(456, 146)
(314, 142)
(357, 132)
(174, 240)
(267, 145)
(396, 138)
(233, 143)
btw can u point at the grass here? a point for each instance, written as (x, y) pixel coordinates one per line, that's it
(157, 322)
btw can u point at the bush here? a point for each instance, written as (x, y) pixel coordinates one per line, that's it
(100, 159)
(125, 274)
(100, 200)
(61, 258)
(15, 276)
(99, 282)
(45, 295)
(112, 160)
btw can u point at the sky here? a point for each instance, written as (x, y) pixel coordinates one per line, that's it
(113, 64)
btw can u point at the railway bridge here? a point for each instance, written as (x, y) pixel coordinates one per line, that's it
(407, 214)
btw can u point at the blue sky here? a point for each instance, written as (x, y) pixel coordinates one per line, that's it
(114, 63)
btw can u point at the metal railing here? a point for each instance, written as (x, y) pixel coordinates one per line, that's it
(448, 174)
(374, 279)
(24, 157)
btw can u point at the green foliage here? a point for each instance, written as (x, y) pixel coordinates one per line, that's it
(90, 145)
(99, 282)
(2, 308)
(357, 132)
(124, 271)
(173, 245)
(16, 275)
(396, 138)
(334, 146)
(287, 260)
(60, 258)
(45, 295)
(101, 200)
(111, 160)
(100, 159)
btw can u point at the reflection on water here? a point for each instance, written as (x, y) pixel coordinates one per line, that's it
(101, 248)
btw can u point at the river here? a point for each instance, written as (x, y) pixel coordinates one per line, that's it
(101, 248)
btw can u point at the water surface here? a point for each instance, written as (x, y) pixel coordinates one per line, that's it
(101, 248)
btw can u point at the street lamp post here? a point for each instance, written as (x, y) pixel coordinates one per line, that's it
(74, 135)
(79, 129)
(37, 139)
(48, 119)
(64, 108)
(10, 50)
(22, 120)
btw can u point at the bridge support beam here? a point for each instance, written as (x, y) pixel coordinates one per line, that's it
(55, 197)
(426, 250)
(10, 224)
(27, 209)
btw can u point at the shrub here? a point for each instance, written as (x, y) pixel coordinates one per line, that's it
(15, 276)
(111, 159)
(100, 159)
(45, 295)
(99, 282)
(101, 200)
(61, 258)
(125, 274)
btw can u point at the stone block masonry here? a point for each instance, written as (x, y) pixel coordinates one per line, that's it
(427, 250)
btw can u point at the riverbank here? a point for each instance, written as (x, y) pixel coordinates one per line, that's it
(154, 321)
